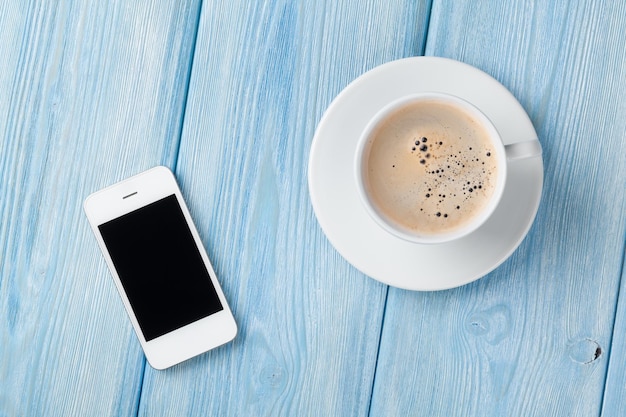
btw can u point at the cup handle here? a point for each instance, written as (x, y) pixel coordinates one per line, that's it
(523, 150)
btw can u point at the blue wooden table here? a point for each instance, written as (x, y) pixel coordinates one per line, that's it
(228, 94)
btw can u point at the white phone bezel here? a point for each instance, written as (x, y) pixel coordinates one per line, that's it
(132, 194)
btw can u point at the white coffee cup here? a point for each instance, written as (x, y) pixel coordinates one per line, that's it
(439, 185)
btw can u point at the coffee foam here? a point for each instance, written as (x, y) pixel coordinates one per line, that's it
(431, 167)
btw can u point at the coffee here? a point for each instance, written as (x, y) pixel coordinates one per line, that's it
(431, 167)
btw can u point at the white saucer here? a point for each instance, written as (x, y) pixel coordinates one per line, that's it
(359, 239)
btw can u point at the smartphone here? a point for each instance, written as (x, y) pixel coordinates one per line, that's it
(160, 267)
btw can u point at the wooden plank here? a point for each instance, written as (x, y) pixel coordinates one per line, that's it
(614, 403)
(89, 93)
(531, 339)
(309, 322)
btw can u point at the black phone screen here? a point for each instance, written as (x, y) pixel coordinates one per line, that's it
(160, 267)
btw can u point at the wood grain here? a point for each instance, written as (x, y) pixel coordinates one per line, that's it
(230, 96)
(532, 338)
(613, 402)
(89, 93)
(309, 322)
